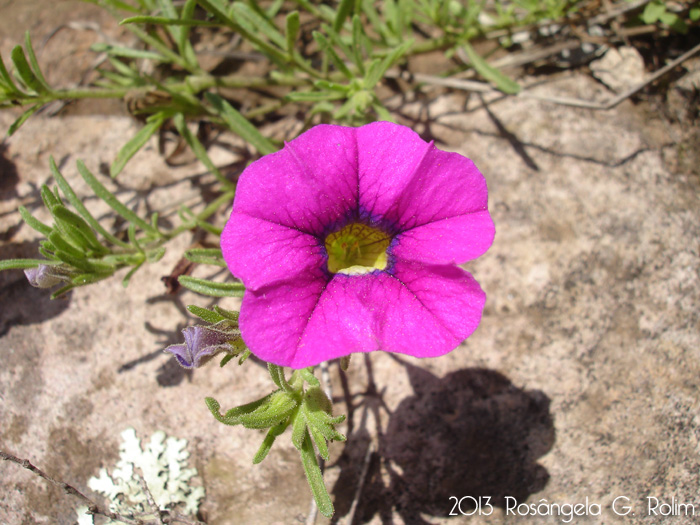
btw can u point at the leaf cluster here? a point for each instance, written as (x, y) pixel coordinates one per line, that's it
(299, 404)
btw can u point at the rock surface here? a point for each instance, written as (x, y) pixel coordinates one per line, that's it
(580, 385)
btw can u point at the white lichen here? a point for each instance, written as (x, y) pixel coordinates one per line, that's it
(162, 465)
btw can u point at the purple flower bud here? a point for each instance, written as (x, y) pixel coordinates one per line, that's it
(204, 342)
(45, 276)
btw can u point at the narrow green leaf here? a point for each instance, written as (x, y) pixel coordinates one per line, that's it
(72, 224)
(279, 407)
(314, 477)
(309, 377)
(277, 375)
(184, 44)
(342, 13)
(6, 80)
(269, 440)
(130, 149)
(490, 73)
(240, 125)
(358, 43)
(80, 207)
(242, 12)
(204, 314)
(376, 72)
(320, 442)
(113, 202)
(50, 200)
(25, 71)
(228, 314)
(130, 274)
(34, 223)
(314, 96)
(211, 288)
(292, 31)
(63, 290)
(121, 51)
(90, 278)
(298, 429)
(22, 119)
(23, 264)
(330, 52)
(212, 257)
(197, 147)
(214, 407)
(34, 62)
(164, 20)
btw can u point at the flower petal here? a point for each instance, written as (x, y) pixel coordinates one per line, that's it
(449, 241)
(260, 252)
(310, 185)
(273, 318)
(409, 182)
(420, 311)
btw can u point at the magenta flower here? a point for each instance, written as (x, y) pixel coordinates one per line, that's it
(348, 240)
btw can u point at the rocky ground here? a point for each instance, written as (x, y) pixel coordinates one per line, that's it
(580, 385)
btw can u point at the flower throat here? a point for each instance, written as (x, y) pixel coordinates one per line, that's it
(357, 249)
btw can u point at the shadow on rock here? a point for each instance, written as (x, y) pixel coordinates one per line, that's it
(22, 304)
(470, 433)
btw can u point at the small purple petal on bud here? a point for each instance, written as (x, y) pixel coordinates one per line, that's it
(45, 276)
(204, 342)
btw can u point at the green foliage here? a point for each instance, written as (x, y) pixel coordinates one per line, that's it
(306, 409)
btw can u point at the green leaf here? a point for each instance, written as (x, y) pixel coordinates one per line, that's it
(328, 49)
(277, 375)
(309, 377)
(130, 149)
(278, 407)
(314, 96)
(490, 73)
(320, 442)
(652, 12)
(240, 125)
(121, 51)
(204, 314)
(211, 288)
(342, 13)
(378, 67)
(314, 477)
(674, 21)
(197, 148)
(244, 12)
(228, 314)
(50, 200)
(269, 440)
(80, 207)
(298, 429)
(292, 31)
(694, 13)
(6, 80)
(25, 72)
(211, 256)
(34, 62)
(113, 202)
(34, 223)
(358, 43)
(130, 274)
(164, 20)
(23, 264)
(22, 119)
(73, 225)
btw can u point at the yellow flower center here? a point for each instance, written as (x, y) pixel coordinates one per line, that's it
(357, 249)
